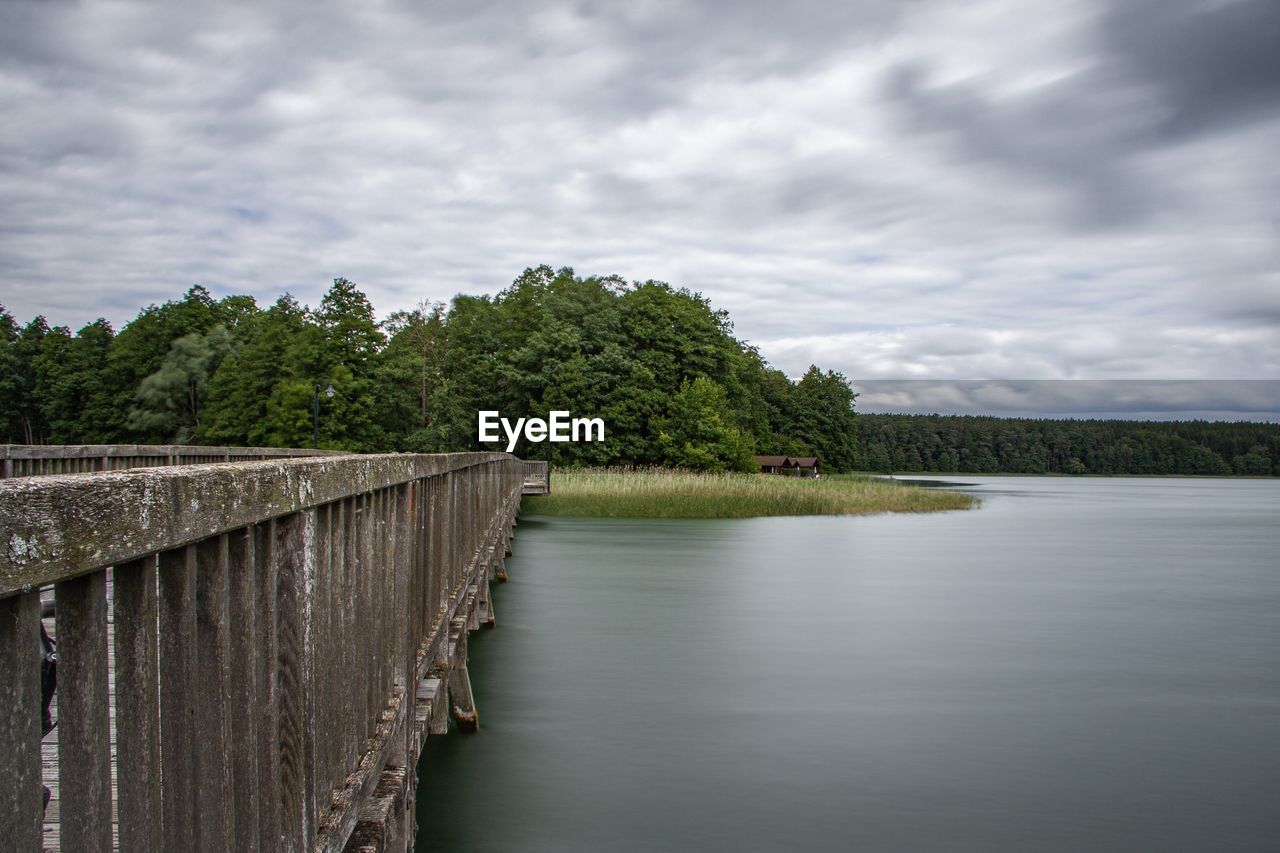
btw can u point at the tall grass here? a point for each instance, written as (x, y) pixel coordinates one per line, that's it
(667, 493)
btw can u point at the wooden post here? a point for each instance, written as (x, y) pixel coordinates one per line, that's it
(484, 602)
(266, 548)
(213, 742)
(179, 696)
(293, 544)
(461, 701)
(243, 695)
(84, 724)
(137, 707)
(21, 798)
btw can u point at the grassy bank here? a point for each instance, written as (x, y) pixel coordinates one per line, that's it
(663, 493)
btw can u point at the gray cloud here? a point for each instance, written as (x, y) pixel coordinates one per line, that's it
(1210, 63)
(990, 189)
(1152, 75)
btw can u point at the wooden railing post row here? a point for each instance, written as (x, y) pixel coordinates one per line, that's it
(22, 460)
(255, 658)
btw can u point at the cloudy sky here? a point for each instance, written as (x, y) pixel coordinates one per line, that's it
(928, 190)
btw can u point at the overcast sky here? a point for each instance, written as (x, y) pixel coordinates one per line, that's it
(986, 189)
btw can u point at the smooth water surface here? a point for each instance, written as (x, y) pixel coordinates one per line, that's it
(1081, 664)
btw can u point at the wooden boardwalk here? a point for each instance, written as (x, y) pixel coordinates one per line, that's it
(537, 479)
(429, 701)
(284, 635)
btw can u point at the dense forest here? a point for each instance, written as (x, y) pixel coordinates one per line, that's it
(657, 363)
(955, 444)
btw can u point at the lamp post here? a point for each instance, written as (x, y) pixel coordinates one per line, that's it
(315, 414)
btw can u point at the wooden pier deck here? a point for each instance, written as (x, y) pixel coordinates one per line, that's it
(537, 478)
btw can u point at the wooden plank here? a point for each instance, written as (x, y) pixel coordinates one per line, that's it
(243, 694)
(84, 725)
(406, 634)
(266, 579)
(345, 612)
(383, 620)
(353, 649)
(449, 534)
(296, 816)
(410, 526)
(310, 734)
(325, 743)
(364, 621)
(435, 579)
(372, 630)
(213, 743)
(179, 697)
(21, 797)
(400, 602)
(137, 707)
(423, 606)
(329, 772)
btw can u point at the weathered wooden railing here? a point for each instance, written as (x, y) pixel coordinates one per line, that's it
(284, 634)
(537, 478)
(28, 460)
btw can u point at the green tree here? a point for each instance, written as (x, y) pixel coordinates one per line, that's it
(409, 375)
(34, 428)
(242, 387)
(69, 385)
(697, 434)
(12, 387)
(822, 418)
(144, 344)
(337, 344)
(351, 333)
(1255, 463)
(171, 400)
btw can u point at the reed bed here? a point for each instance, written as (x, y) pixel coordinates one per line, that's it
(669, 493)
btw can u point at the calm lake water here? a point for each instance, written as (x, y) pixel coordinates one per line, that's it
(1082, 664)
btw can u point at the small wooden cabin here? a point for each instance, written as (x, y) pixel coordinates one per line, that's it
(771, 464)
(803, 466)
(795, 466)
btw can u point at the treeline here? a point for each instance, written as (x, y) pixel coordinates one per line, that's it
(964, 444)
(657, 363)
